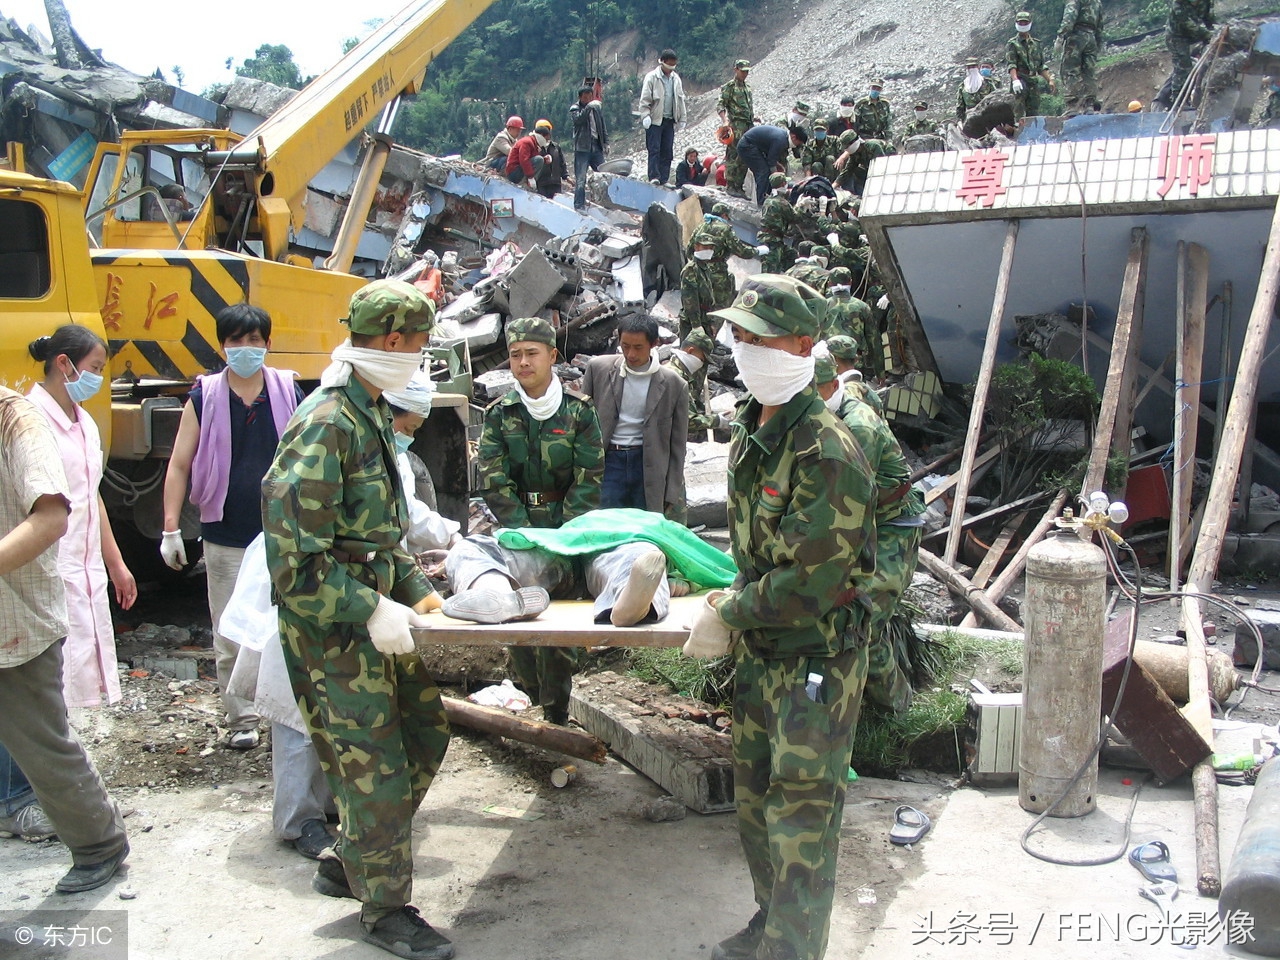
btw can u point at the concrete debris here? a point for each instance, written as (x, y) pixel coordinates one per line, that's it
(705, 467)
(494, 384)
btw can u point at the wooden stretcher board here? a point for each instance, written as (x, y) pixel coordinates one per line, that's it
(566, 623)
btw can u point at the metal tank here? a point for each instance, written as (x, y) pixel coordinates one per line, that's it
(1061, 674)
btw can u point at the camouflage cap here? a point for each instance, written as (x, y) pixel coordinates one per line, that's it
(971, 64)
(824, 369)
(841, 275)
(848, 138)
(801, 107)
(699, 339)
(876, 84)
(843, 347)
(820, 250)
(777, 180)
(819, 124)
(1022, 16)
(775, 305)
(742, 64)
(530, 330)
(390, 306)
(921, 105)
(720, 210)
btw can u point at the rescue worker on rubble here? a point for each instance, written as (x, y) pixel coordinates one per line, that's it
(1190, 22)
(797, 116)
(801, 528)
(690, 360)
(663, 114)
(921, 125)
(846, 314)
(848, 357)
(716, 233)
(496, 156)
(812, 270)
(843, 119)
(527, 158)
(555, 171)
(764, 148)
(872, 115)
(1026, 66)
(779, 224)
(334, 514)
(590, 141)
(820, 152)
(541, 461)
(738, 112)
(854, 160)
(899, 526)
(1079, 42)
(977, 83)
(698, 285)
(1271, 110)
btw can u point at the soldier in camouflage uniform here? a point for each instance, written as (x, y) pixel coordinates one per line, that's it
(848, 357)
(1190, 21)
(898, 529)
(820, 152)
(1080, 39)
(854, 160)
(872, 115)
(982, 82)
(716, 233)
(779, 223)
(1025, 60)
(921, 125)
(846, 314)
(540, 464)
(738, 112)
(697, 295)
(334, 513)
(801, 523)
(812, 270)
(690, 362)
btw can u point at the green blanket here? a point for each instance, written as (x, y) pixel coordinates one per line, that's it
(692, 558)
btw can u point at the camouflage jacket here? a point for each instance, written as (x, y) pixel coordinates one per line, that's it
(884, 453)
(778, 218)
(334, 484)
(801, 530)
(872, 118)
(918, 128)
(1083, 15)
(812, 274)
(1271, 111)
(697, 292)
(719, 234)
(966, 101)
(849, 316)
(860, 162)
(735, 101)
(1024, 54)
(1191, 19)
(819, 151)
(698, 420)
(519, 455)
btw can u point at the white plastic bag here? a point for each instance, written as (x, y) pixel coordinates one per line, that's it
(503, 695)
(250, 618)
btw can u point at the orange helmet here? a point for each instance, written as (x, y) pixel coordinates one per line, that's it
(725, 134)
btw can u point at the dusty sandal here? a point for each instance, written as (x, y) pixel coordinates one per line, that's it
(909, 825)
(1151, 859)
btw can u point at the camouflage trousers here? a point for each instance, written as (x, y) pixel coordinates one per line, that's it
(780, 257)
(842, 320)
(1180, 52)
(735, 170)
(697, 299)
(897, 553)
(1027, 103)
(380, 731)
(790, 767)
(1080, 69)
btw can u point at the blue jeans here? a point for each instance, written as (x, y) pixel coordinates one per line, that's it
(15, 792)
(660, 141)
(517, 175)
(582, 159)
(758, 164)
(623, 483)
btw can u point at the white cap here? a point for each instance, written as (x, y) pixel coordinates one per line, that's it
(416, 397)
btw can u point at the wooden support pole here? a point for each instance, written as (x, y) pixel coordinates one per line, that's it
(1204, 780)
(1193, 291)
(980, 391)
(1001, 543)
(1000, 586)
(1117, 411)
(980, 464)
(967, 590)
(573, 743)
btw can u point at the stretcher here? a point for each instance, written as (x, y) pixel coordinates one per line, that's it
(566, 623)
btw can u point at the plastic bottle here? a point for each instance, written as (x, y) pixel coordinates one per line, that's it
(1252, 882)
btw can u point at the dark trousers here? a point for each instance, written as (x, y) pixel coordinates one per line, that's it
(660, 141)
(517, 175)
(623, 483)
(15, 789)
(758, 164)
(34, 728)
(582, 159)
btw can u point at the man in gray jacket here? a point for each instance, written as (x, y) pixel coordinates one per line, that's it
(644, 421)
(663, 114)
(590, 141)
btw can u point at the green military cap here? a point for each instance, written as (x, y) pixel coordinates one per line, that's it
(774, 305)
(843, 347)
(820, 250)
(742, 64)
(777, 180)
(701, 340)
(848, 138)
(1022, 16)
(721, 210)
(801, 107)
(531, 329)
(841, 275)
(390, 306)
(971, 64)
(803, 247)
(819, 124)
(921, 105)
(876, 84)
(824, 370)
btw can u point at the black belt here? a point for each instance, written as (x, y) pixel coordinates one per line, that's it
(619, 447)
(534, 498)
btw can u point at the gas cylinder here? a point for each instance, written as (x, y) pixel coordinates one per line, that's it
(1251, 888)
(1061, 674)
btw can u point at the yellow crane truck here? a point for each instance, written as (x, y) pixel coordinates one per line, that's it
(148, 267)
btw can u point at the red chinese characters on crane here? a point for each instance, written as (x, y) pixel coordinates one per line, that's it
(158, 309)
(1186, 162)
(111, 311)
(982, 179)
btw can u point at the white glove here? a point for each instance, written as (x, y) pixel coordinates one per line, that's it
(883, 302)
(389, 627)
(724, 421)
(172, 550)
(646, 121)
(763, 249)
(833, 238)
(1016, 87)
(709, 636)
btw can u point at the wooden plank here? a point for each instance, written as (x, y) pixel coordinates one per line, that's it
(1204, 780)
(995, 513)
(996, 552)
(566, 623)
(1116, 413)
(980, 465)
(1193, 289)
(980, 390)
(967, 591)
(689, 760)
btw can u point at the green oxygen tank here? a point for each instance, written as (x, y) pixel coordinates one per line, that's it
(1250, 901)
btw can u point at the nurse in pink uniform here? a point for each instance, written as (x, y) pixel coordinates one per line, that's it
(74, 359)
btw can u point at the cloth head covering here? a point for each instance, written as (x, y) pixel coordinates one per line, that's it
(416, 397)
(775, 305)
(390, 306)
(533, 329)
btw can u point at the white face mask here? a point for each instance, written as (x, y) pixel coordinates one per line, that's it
(703, 254)
(796, 118)
(691, 363)
(1023, 27)
(846, 111)
(837, 397)
(382, 368)
(780, 191)
(772, 376)
(920, 114)
(837, 288)
(972, 81)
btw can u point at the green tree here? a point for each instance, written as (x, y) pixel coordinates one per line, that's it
(274, 64)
